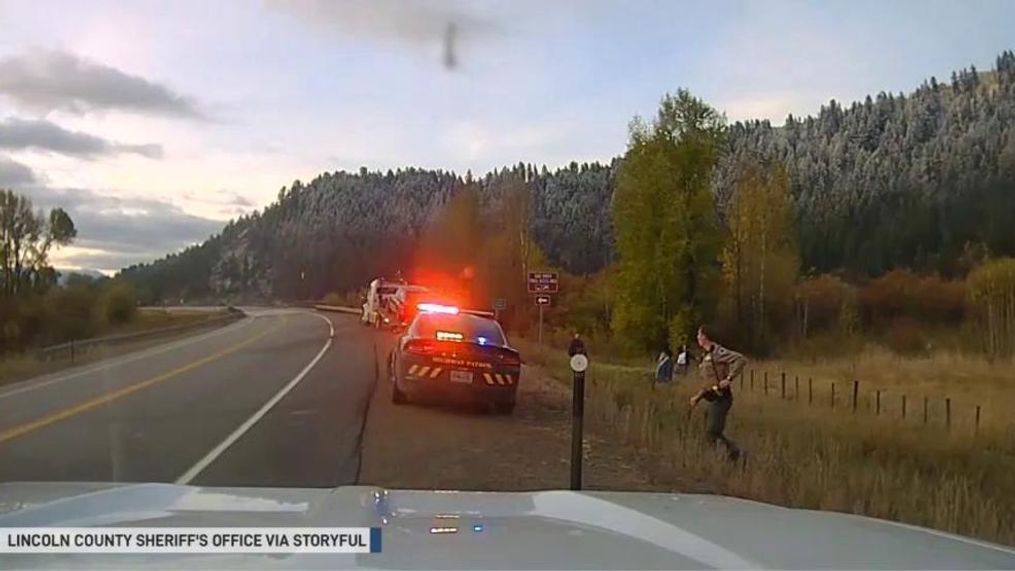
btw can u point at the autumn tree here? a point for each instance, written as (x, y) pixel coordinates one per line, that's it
(26, 238)
(991, 290)
(760, 258)
(665, 223)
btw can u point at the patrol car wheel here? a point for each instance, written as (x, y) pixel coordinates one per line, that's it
(397, 396)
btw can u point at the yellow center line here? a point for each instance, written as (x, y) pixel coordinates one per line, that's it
(65, 413)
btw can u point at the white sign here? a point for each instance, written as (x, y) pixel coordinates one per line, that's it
(149, 540)
(579, 363)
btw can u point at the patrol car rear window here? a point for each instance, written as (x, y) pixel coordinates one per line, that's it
(471, 326)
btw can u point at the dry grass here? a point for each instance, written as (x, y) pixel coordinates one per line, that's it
(967, 380)
(817, 457)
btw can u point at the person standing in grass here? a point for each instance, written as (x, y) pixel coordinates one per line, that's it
(682, 356)
(577, 346)
(720, 366)
(664, 367)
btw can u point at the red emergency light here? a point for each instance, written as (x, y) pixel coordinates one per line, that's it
(438, 308)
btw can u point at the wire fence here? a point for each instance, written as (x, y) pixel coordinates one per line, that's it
(854, 397)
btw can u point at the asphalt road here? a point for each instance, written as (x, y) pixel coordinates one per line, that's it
(276, 399)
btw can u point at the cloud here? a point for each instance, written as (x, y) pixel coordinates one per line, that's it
(220, 197)
(415, 24)
(18, 134)
(114, 232)
(14, 174)
(46, 80)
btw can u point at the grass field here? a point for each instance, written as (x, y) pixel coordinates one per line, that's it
(819, 457)
(22, 366)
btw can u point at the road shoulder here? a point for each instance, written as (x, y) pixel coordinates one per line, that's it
(428, 447)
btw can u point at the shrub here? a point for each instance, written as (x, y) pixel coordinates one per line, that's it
(119, 303)
(334, 299)
(905, 337)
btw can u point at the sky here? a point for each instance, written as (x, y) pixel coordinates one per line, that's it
(154, 123)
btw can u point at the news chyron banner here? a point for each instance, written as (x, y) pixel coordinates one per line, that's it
(178, 540)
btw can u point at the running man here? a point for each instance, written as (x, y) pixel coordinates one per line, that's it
(721, 366)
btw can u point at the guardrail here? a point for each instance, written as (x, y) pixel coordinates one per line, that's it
(71, 349)
(338, 308)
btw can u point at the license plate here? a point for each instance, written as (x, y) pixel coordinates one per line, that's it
(461, 377)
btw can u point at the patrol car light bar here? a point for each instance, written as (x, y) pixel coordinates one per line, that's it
(438, 308)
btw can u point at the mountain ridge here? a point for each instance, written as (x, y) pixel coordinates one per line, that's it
(891, 181)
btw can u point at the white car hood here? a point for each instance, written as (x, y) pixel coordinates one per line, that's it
(520, 530)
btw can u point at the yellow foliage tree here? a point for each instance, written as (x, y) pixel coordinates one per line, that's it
(760, 257)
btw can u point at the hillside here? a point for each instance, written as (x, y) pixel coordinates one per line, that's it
(920, 180)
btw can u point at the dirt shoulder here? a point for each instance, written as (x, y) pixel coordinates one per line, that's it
(431, 447)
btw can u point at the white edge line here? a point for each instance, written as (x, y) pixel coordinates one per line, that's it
(243, 428)
(128, 358)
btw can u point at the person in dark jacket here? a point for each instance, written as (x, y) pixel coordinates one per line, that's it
(577, 346)
(664, 366)
(720, 366)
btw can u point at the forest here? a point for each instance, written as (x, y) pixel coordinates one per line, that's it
(916, 185)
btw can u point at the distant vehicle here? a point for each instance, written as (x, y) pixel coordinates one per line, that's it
(455, 355)
(377, 309)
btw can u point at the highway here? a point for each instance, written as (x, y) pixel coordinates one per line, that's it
(277, 398)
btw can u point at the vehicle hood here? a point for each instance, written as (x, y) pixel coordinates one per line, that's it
(520, 530)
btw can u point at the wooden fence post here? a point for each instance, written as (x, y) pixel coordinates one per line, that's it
(877, 401)
(903, 407)
(766, 383)
(833, 394)
(752, 380)
(796, 387)
(783, 390)
(810, 390)
(976, 426)
(925, 410)
(856, 393)
(948, 413)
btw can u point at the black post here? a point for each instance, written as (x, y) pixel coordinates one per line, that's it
(976, 427)
(856, 392)
(810, 390)
(925, 410)
(577, 414)
(833, 394)
(877, 400)
(783, 389)
(903, 407)
(766, 383)
(948, 412)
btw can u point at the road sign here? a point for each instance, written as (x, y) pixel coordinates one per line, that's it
(500, 304)
(579, 363)
(543, 282)
(543, 300)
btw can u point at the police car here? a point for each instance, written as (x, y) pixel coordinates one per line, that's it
(454, 355)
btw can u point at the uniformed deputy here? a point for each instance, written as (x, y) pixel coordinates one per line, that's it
(719, 366)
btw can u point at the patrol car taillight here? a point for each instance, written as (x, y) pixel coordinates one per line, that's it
(510, 358)
(419, 347)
